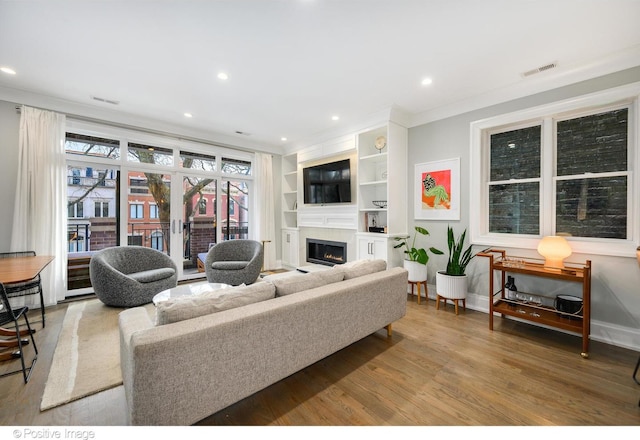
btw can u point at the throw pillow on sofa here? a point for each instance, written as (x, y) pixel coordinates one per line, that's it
(297, 282)
(358, 268)
(188, 307)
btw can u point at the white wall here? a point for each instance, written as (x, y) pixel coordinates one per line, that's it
(9, 128)
(615, 281)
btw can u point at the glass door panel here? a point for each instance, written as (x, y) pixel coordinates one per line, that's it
(199, 222)
(92, 219)
(234, 210)
(149, 210)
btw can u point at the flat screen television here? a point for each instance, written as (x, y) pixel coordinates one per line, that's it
(327, 183)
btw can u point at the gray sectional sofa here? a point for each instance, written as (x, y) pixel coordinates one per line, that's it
(184, 367)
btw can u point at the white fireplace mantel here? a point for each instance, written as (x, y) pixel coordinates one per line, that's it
(333, 216)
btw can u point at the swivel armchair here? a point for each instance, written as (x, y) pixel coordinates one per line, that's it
(129, 276)
(234, 262)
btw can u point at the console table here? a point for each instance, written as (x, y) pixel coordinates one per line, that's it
(536, 311)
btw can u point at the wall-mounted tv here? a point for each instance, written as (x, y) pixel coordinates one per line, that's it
(327, 183)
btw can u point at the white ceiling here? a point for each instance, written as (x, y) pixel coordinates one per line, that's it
(293, 64)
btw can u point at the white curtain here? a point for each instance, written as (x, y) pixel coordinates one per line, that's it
(264, 221)
(40, 212)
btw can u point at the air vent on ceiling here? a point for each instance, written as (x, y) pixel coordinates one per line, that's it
(540, 69)
(108, 101)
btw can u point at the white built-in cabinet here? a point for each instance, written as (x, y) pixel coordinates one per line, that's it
(290, 210)
(382, 177)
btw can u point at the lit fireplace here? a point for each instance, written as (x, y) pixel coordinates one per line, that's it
(326, 252)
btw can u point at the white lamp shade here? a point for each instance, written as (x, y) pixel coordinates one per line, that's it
(554, 249)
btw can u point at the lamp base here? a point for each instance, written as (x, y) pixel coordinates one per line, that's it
(553, 263)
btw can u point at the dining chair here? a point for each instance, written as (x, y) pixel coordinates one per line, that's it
(24, 288)
(9, 315)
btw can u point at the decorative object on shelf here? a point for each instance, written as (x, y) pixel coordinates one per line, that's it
(437, 190)
(452, 283)
(638, 255)
(511, 289)
(554, 249)
(569, 304)
(380, 204)
(381, 142)
(384, 175)
(412, 253)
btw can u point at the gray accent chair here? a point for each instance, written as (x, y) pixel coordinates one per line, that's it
(234, 262)
(130, 276)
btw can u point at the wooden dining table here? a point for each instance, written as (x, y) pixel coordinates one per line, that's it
(15, 270)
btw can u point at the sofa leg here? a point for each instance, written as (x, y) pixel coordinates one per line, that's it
(388, 327)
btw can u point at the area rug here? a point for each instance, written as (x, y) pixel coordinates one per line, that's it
(87, 357)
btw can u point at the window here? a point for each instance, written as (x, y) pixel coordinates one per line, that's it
(75, 209)
(101, 209)
(514, 181)
(150, 154)
(202, 206)
(153, 211)
(592, 175)
(563, 169)
(197, 161)
(236, 166)
(136, 210)
(92, 146)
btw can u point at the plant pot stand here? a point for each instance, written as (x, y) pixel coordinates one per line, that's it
(455, 302)
(426, 289)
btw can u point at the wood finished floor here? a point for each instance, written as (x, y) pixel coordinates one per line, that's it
(438, 369)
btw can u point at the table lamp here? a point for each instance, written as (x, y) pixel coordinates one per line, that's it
(554, 249)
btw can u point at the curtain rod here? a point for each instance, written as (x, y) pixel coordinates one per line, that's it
(141, 129)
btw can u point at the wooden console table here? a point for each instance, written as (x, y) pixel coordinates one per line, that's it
(539, 313)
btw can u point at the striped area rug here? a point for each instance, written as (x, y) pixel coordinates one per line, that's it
(87, 357)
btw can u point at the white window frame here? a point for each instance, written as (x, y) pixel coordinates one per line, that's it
(479, 169)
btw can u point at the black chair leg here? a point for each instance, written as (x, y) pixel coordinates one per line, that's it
(26, 372)
(42, 308)
(635, 372)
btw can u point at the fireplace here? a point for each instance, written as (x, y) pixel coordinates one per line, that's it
(326, 252)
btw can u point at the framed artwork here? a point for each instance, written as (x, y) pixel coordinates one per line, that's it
(437, 190)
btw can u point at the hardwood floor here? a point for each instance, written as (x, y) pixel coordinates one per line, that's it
(438, 369)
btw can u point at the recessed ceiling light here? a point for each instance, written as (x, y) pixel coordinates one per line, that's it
(188, 115)
(223, 76)
(426, 81)
(8, 70)
(283, 139)
(335, 118)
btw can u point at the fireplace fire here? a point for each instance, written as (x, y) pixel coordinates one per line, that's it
(326, 252)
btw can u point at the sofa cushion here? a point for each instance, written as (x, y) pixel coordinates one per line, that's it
(358, 268)
(149, 276)
(188, 307)
(297, 281)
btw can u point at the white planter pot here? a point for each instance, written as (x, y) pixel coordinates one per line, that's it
(417, 271)
(451, 287)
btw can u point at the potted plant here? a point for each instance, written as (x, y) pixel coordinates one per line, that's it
(416, 258)
(452, 283)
